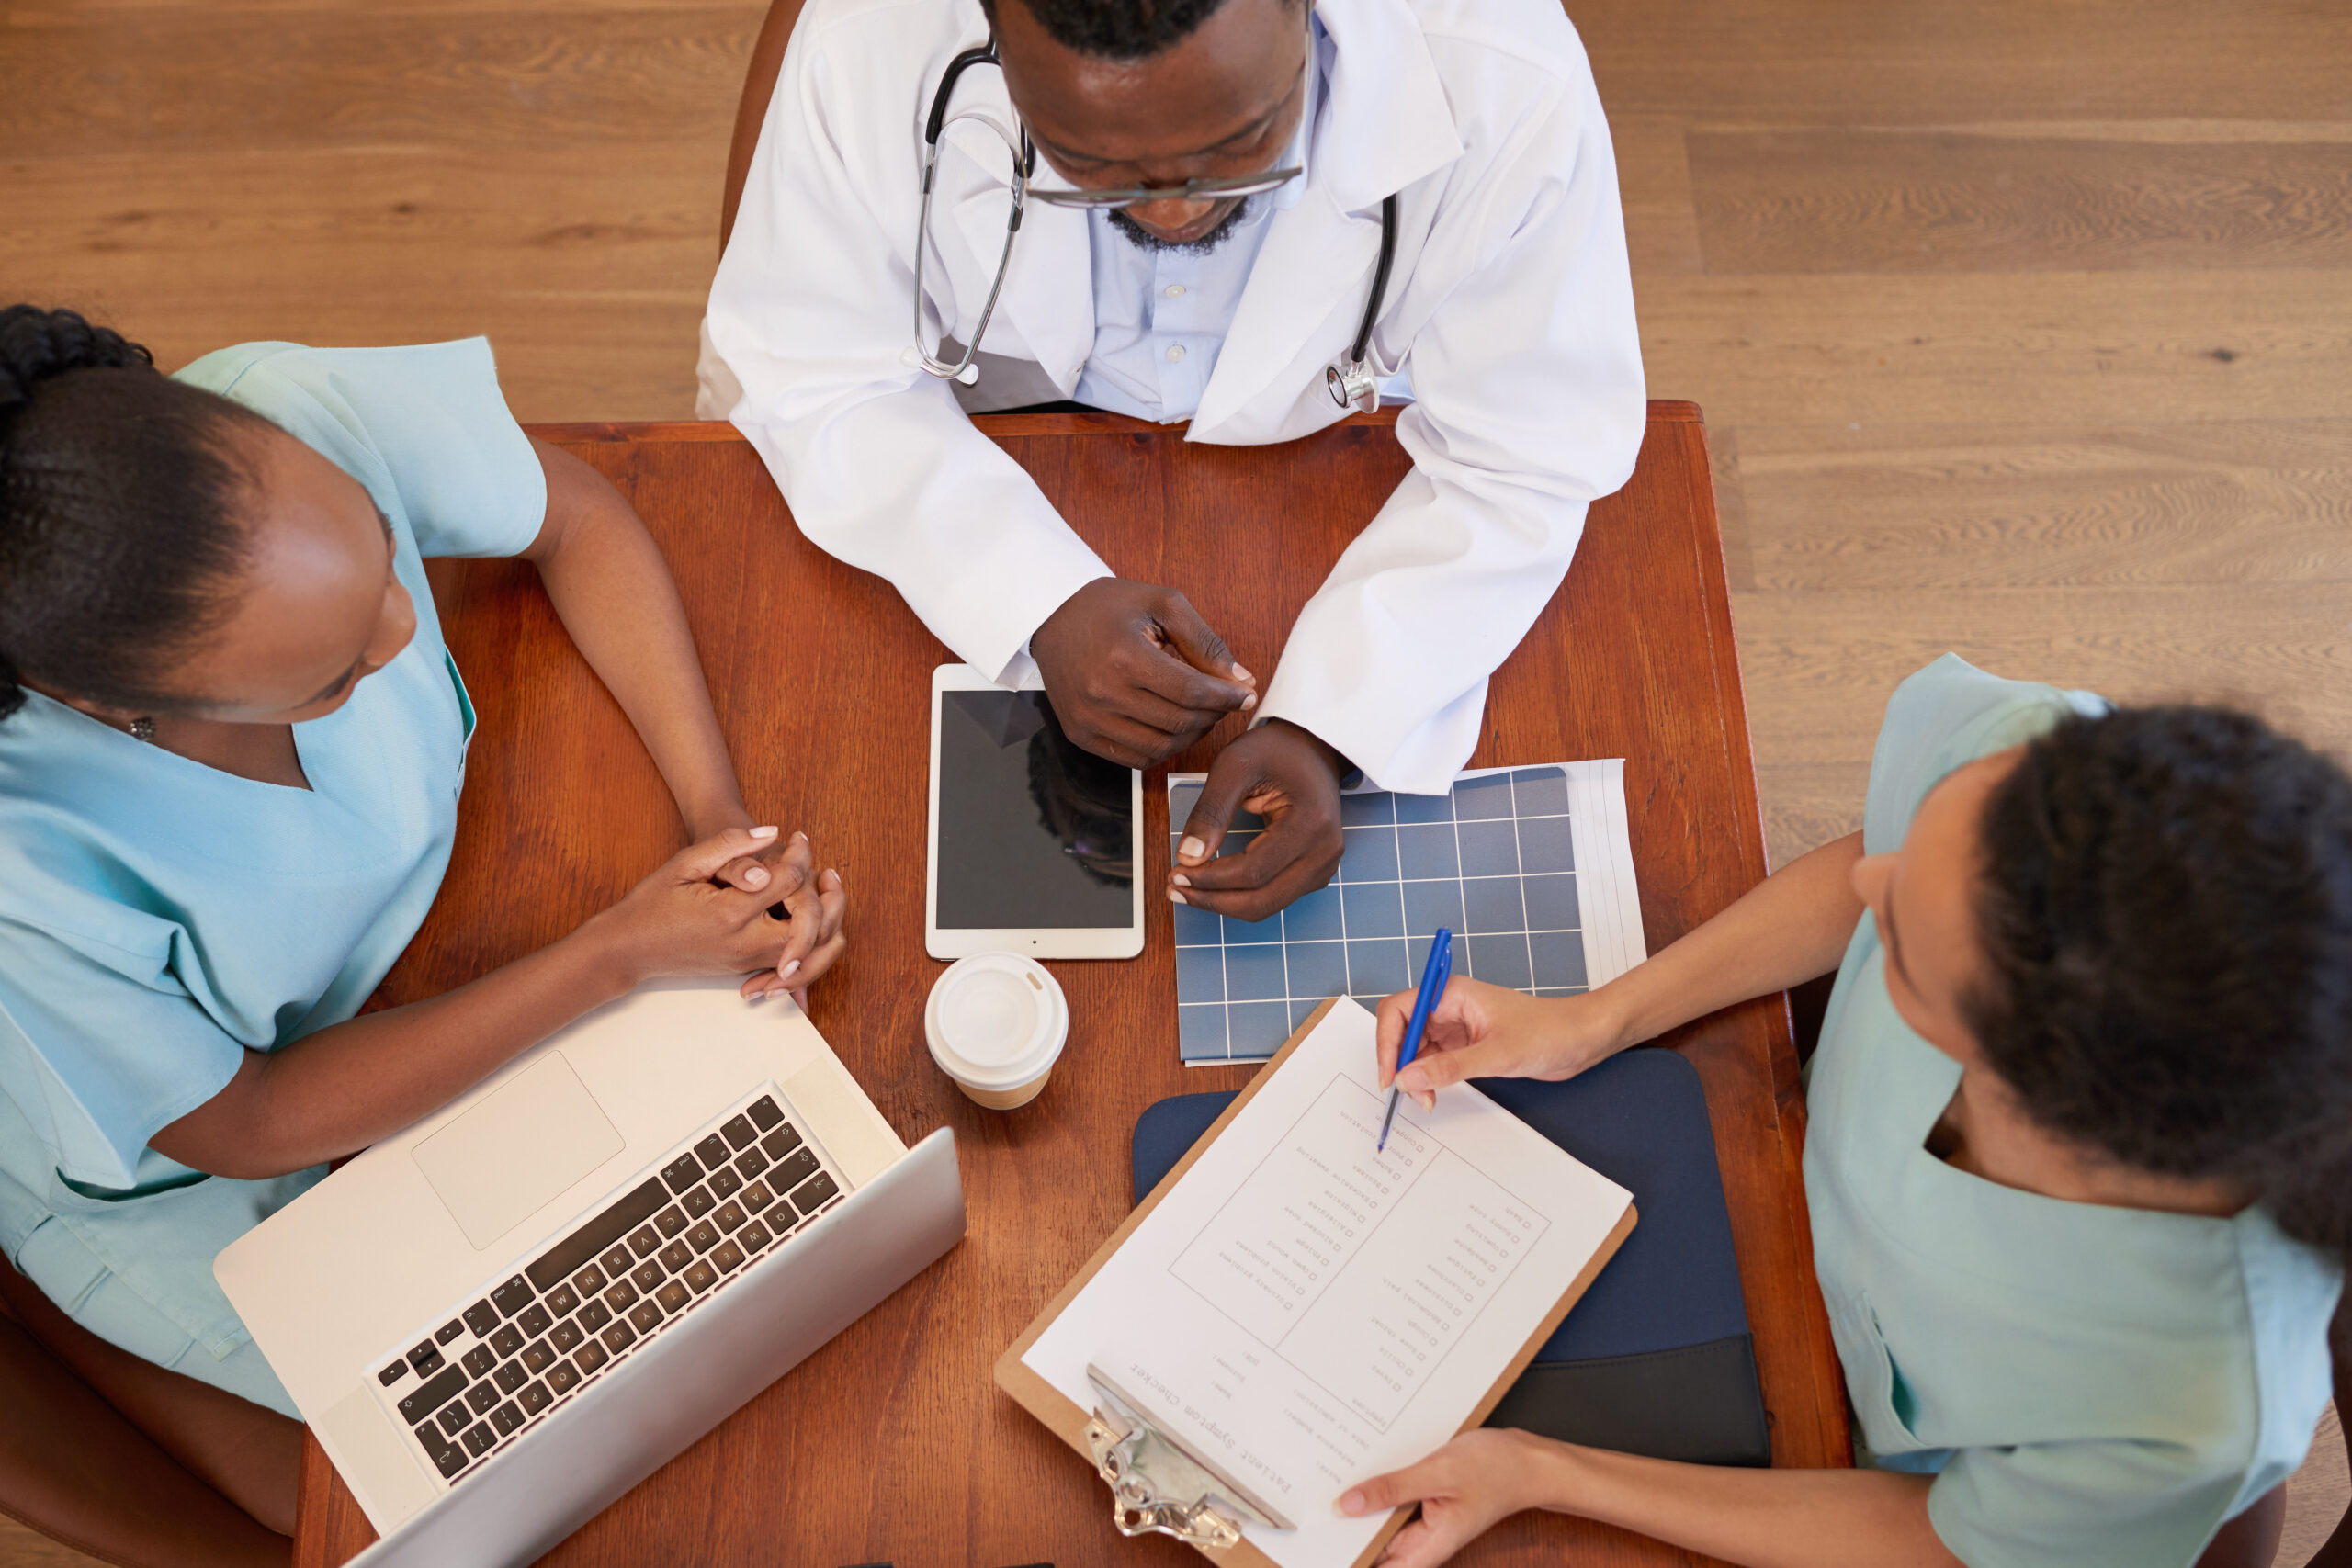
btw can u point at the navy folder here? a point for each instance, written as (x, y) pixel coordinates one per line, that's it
(1656, 1359)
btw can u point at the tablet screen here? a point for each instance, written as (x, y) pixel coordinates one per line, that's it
(1032, 832)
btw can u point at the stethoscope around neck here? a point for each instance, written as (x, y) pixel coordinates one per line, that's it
(1350, 382)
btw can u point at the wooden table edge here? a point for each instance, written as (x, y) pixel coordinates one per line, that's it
(1662, 410)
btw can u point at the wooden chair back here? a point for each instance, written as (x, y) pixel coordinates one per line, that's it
(127, 1462)
(751, 109)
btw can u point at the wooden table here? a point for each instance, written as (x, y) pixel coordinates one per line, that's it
(891, 1444)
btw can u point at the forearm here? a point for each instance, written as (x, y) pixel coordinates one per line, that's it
(1793, 925)
(1763, 1519)
(336, 1091)
(615, 594)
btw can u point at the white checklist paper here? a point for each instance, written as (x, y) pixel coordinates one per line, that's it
(1303, 1312)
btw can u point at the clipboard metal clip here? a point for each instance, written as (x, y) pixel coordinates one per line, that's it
(1156, 1487)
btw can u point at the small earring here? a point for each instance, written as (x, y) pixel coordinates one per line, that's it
(143, 730)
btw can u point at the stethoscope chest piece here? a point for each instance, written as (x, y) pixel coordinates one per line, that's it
(1353, 386)
(1350, 382)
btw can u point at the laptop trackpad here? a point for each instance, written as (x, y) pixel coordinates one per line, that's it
(499, 1162)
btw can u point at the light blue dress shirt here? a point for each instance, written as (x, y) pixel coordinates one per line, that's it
(159, 918)
(2091, 1386)
(1160, 316)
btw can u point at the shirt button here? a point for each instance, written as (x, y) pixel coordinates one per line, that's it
(1175, 292)
(1175, 353)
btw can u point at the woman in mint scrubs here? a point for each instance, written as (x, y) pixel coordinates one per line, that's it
(2078, 1154)
(231, 745)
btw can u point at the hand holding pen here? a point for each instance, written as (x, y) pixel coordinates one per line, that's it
(1480, 1030)
(1434, 974)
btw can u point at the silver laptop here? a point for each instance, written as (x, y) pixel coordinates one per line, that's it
(501, 1319)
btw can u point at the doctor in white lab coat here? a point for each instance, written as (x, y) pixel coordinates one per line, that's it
(1508, 322)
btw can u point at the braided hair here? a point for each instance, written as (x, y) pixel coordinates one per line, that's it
(120, 492)
(2165, 906)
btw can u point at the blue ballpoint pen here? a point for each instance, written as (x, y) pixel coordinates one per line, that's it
(1434, 975)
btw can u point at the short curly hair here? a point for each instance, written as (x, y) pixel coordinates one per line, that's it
(2165, 905)
(1118, 29)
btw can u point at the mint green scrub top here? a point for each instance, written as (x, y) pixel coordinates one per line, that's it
(159, 917)
(2090, 1386)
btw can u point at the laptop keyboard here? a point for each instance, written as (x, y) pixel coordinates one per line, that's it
(480, 1375)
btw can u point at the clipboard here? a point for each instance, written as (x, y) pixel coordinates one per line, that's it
(1156, 1485)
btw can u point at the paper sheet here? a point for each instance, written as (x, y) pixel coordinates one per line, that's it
(1307, 1314)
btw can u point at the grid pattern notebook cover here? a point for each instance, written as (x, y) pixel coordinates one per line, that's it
(1531, 868)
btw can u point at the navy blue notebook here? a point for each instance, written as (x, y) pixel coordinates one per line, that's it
(1656, 1359)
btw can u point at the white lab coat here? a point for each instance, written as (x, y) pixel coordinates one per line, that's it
(1510, 310)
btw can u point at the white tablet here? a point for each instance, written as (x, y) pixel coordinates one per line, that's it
(1034, 842)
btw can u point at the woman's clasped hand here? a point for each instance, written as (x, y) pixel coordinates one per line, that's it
(738, 902)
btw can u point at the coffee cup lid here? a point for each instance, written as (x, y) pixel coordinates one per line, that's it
(995, 1020)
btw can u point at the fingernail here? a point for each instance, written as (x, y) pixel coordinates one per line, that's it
(1176, 897)
(1351, 1503)
(1249, 702)
(1241, 674)
(769, 995)
(788, 970)
(1181, 880)
(1191, 848)
(1428, 1100)
(799, 835)
(767, 832)
(756, 876)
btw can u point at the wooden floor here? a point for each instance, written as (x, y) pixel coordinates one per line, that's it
(2024, 327)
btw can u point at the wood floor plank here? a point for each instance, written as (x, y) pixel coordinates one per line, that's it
(1959, 507)
(1819, 665)
(394, 224)
(2057, 348)
(1869, 62)
(2283, 648)
(379, 221)
(1851, 201)
(1653, 186)
(558, 359)
(487, 82)
(81, 14)
(589, 281)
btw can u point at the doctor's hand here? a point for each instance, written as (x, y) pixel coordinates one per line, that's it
(1478, 1030)
(1291, 779)
(1133, 673)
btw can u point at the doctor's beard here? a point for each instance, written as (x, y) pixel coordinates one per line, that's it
(1144, 238)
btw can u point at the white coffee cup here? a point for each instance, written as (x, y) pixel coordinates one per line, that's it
(996, 1024)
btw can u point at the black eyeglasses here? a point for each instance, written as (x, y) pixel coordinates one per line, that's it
(1211, 190)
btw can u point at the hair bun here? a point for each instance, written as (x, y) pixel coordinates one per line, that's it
(37, 345)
